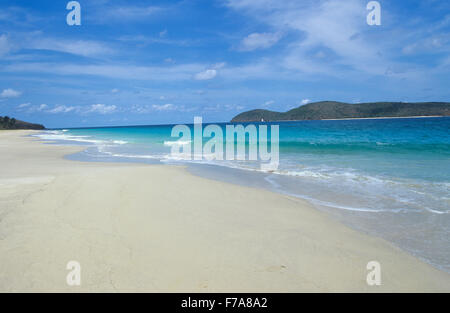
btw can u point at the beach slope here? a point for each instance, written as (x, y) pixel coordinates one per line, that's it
(135, 227)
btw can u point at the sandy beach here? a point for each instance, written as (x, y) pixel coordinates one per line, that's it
(157, 228)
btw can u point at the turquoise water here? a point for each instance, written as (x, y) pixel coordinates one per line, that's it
(388, 177)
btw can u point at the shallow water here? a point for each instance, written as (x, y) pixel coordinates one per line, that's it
(388, 177)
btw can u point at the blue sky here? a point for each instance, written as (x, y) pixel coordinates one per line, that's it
(156, 62)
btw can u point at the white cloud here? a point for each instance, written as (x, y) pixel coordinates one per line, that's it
(218, 66)
(262, 69)
(102, 109)
(305, 101)
(141, 109)
(437, 43)
(41, 107)
(10, 93)
(115, 90)
(331, 24)
(85, 48)
(35, 40)
(210, 73)
(160, 73)
(206, 75)
(128, 13)
(23, 105)
(233, 107)
(164, 107)
(62, 109)
(267, 103)
(259, 41)
(45, 108)
(221, 107)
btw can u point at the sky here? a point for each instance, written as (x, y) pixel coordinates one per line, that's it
(164, 62)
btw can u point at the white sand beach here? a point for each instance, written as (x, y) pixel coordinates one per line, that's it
(157, 228)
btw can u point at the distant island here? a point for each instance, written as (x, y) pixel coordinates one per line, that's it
(339, 110)
(11, 123)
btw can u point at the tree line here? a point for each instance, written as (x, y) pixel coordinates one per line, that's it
(7, 123)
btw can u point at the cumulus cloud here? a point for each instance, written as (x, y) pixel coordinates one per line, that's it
(141, 108)
(59, 109)
(102, 108)
(211, 72)
(37, 108)
(164, 107)
(42, 107)
(10, 93)
(62, 109)
(259, 41)
(206, 75)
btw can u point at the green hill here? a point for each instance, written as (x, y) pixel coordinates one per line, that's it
(11, 123)
(339, 110)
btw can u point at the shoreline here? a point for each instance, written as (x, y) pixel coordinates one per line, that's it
(383, 117)
(356, 216)
(337, 119)
(347, 119)
(139, 227)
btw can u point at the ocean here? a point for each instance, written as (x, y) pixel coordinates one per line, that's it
(386, 177)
